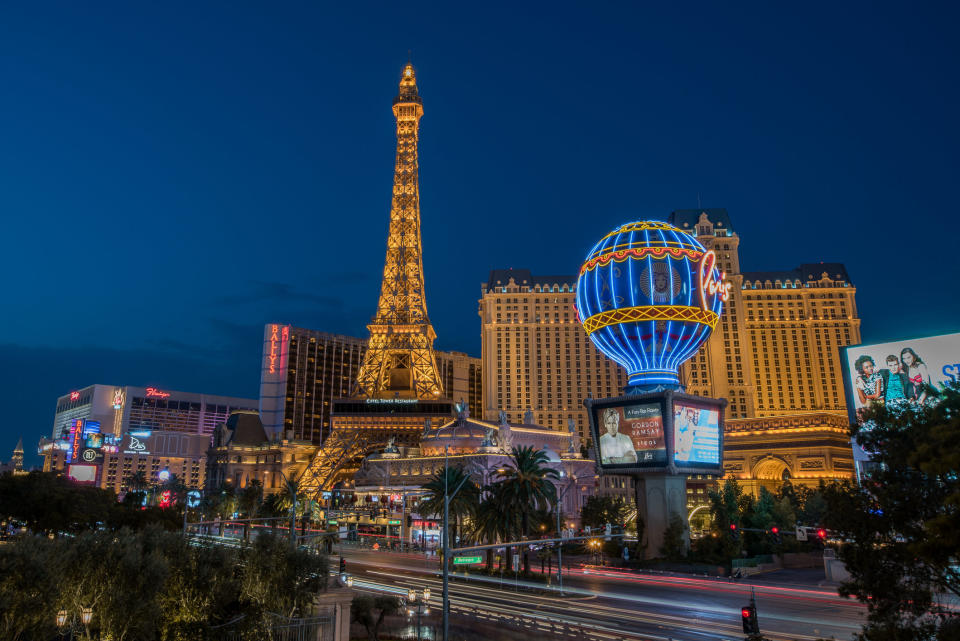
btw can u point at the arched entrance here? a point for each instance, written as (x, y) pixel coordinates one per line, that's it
(770, 472)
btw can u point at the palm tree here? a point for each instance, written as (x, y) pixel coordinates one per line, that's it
(463, 505)
(528, 485)
(137, 483)
(250, 498)
(494, 522)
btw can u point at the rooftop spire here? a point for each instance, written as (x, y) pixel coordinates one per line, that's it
(408, 86)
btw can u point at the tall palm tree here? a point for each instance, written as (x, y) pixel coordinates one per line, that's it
(137, 481)
(528, 485)
(463, 505)
(494, 522)
(250, 498)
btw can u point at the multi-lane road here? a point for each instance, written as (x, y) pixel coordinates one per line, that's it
(642, 606)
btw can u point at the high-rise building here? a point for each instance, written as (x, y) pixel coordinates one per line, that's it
(774, 353)
(720, 368)
(535, 353)
(303, 371)
(118, 409)
(104, 433)
(776, 350)
(796, 322)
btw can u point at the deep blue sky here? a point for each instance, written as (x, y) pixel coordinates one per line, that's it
(174, 175)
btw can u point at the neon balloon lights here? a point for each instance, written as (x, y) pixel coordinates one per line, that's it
(648, 295)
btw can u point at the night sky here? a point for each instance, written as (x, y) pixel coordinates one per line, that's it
(174, 175)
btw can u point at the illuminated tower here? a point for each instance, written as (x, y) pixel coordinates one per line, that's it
(18, 457)
(399, 359)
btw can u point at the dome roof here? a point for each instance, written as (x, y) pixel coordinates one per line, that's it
(459, 429)
(460, 435)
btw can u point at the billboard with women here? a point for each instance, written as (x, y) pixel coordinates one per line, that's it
(907, 371)
(696, 434)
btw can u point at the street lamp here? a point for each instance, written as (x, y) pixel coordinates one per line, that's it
(66, 623)
(420, 600)
(595, 546)
(573, 483)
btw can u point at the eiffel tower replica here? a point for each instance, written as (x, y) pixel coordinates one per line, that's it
(399, 393)
(399, 360)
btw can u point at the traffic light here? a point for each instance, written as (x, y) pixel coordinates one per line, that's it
(343, 566)
(775, 533)
(822, 534)
(734, 532)
(748, 615)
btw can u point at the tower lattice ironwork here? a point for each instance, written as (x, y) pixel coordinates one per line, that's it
(400, 359)
(399, 364)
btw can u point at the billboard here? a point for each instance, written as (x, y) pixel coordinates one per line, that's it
(632, 435)
(86, 474)
(666, 431)
(899, 372)
(696, 434)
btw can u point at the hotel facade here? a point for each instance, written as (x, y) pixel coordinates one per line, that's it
(303, 371)
(774, 355)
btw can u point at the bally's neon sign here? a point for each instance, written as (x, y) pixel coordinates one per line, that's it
(153, 392)
(710, 285)
(278, 339)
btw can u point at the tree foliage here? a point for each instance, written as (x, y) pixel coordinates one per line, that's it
(370, 611)
(152, 585)
(902, 526)
(599, 510)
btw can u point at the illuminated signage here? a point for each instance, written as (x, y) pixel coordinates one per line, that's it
(658, 432)
(274, 345)
(279, 337)
(76, 433)
(393, 522)
(86, 474)
(696, 432)
(118, 399)
(140, 433)
(74, 396)
(632, 435)
(153, 392)
(391, 401)
(710, 285)
(908, 372)
(136, 446)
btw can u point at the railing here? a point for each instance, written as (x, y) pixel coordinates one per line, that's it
(281, 628)
(540, 626)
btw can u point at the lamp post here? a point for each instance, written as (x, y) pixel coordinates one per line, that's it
(447, 496)
(420, 599)
(573, 483)
(66, 623)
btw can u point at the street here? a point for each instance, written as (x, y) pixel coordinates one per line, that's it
(642, 606)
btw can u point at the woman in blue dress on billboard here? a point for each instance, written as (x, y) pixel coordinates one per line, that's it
(918, 377)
